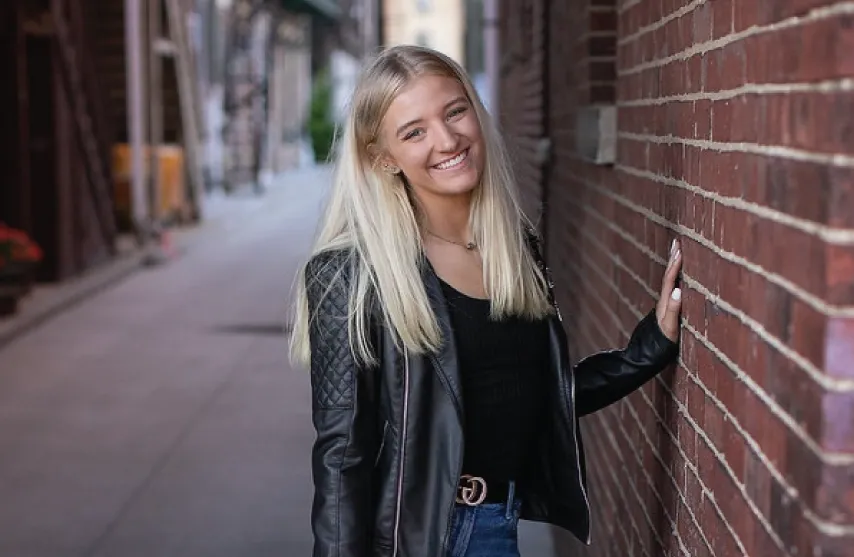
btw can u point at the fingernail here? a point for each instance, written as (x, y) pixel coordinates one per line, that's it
(676, 295)
(672, 246)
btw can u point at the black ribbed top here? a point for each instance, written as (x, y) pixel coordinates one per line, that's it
(502, 368)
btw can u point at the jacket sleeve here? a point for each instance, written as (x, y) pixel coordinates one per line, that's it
(606, 377)
(343, 415)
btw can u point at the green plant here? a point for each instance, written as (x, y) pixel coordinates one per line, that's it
(321, 127)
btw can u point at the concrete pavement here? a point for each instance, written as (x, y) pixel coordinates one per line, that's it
(160, 418)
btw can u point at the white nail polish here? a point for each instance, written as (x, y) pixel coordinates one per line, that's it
(672, 246)
(676, 294)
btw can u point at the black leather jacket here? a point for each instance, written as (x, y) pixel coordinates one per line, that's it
(389, 447)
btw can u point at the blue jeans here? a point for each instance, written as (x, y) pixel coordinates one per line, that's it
(487, 530)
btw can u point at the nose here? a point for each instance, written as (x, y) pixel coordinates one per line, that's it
(446, 139)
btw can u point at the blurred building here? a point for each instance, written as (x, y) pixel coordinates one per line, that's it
(57, 128)
(121, 115)
(438, 24)
(274, 56)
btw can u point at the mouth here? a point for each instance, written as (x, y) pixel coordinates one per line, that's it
(454, 162)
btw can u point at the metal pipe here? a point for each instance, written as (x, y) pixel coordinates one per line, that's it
(155, 105)
(136, 112)
(491, 54)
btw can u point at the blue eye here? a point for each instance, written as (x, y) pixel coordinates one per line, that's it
(413, 133)
(457, 111)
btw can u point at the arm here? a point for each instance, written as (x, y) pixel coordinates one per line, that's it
(343, 414)
(606, 377)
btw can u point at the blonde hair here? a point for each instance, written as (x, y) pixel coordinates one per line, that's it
(370, 216)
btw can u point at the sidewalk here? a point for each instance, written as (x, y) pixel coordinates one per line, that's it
(48, 299)
(161, 417)
(220, 212)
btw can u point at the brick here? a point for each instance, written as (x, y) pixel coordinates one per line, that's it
(793, 187)
(718, 533)
(603, 21)
(835, 546)
(783, 513)
(841, 197)
(840, 274)
(807, 332)
(757, 481)
(746, 15)
(734, 448)
(602, 71)
(602, 46)
(722, 18)
(737, 511)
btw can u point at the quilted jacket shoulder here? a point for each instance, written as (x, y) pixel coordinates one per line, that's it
(328, 278)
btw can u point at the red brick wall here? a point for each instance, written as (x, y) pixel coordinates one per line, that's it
(736, 134)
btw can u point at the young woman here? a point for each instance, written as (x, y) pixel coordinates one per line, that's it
(443, 400)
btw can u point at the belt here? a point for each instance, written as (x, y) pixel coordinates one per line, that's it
(474, 490)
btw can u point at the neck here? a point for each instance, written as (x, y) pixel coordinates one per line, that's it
(447, 216)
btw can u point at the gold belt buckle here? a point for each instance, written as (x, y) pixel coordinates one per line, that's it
(473, 493)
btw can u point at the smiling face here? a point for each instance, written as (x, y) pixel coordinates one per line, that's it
(431, 132)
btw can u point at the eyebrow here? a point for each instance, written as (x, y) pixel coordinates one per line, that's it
(453, 101)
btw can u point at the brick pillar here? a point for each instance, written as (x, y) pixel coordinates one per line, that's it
(736, 134)
(522, 106)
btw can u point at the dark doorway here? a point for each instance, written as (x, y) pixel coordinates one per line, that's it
(10, 198)
(42, 152)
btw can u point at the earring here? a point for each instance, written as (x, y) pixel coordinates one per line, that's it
(391, 169)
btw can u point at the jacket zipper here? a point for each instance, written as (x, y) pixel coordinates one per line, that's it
(578, 462)
(446, 542)
(402, 452)
(574, 430)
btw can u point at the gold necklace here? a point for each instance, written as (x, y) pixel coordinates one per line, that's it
(469, 246)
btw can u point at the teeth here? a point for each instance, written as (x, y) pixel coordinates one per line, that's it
(453, 162)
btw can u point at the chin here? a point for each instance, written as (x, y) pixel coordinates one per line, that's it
(457, 185)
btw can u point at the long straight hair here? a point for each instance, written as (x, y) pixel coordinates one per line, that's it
(370, 215)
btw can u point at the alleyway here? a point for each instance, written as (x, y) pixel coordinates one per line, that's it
(160, 417)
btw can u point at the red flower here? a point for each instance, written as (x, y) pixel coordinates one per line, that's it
(17, 247)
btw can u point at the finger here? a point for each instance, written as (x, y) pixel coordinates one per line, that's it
(668, 281)
(670, 324)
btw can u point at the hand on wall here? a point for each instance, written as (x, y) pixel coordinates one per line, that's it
(670, 303)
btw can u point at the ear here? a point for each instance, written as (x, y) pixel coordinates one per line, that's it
(382, 160)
